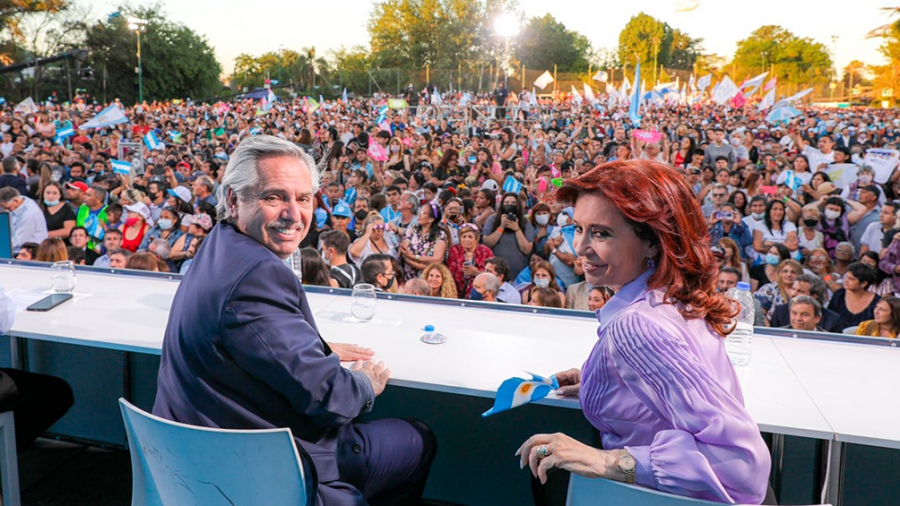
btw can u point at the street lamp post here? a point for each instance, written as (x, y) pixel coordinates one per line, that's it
(507, 27)
(139, 25)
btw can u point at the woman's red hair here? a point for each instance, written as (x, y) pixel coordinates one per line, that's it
(657, 200)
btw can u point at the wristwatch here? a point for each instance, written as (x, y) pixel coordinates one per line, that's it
(626, 464)
(553, 252)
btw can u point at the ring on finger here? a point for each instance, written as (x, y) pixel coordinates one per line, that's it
(542, 452)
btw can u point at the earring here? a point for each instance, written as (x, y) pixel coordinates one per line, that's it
(650, 263)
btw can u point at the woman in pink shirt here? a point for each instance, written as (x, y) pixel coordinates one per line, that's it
(658, 384)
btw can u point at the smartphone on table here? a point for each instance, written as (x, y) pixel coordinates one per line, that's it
(49, 302)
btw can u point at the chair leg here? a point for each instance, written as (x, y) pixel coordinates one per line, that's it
(9, 461)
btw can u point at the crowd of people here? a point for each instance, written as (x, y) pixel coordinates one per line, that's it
(456, 201)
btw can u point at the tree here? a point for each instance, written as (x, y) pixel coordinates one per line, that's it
(12, 12)
(795, 59)
(177, 62)
(545, 42)
(649, 39)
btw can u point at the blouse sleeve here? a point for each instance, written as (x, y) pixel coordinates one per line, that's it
(714, 450)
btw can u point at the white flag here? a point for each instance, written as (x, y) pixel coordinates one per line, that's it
(768, 100)
(601, 76)
(704, 82)
(436, 97)
(27, 106)
(589, 94)
(725, 91)
(626, 85)
(756, 82)
(798, 96)
(542, 81)
(576, 97)
(532, 98)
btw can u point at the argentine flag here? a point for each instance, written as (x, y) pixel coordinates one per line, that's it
(121, 167)
(152, 142)
(512, 185)
(515, 392)
(61, 135)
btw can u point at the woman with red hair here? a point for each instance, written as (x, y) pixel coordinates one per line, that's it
(658, 384)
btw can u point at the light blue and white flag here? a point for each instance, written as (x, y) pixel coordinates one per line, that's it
(382, 115)
(63, 134)
(110, 116)
(152, 142)
(2, 100)
(344, 98)
(512, 185)
(515, 392)
(634, 111)
(121, 167)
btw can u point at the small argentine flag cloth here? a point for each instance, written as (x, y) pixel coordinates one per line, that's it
(152, 142)
(121, 167)
(61, 135)
(515, 392)
(512, 185)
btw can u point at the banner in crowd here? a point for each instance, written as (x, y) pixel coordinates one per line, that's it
(648, 136)
(704, 82)
(589, 94)
(883, 162)
(542, 81)
(725, 91)
(512, 185)
(767, 101)
(634, 110)
(152, 142)
(842, 174)
(27, 106)
(120, 167)
(601, 76)
(110, 116)
(63, 134)
(397, 103)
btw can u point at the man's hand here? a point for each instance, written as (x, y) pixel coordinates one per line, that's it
(378, 374)
(351, 352)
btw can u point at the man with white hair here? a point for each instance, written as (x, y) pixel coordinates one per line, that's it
(26, 218)
(242, 350)
(485, 287)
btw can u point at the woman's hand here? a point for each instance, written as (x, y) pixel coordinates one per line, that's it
(470, 270)
(569, 382)
(543, 452)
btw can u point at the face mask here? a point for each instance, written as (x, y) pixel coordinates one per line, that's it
(541, 283)
(475, 294)
(810, 223)
(165, 224)
(390, 283)
(508, 210)
(51, 203)
(562, 220)
(130, 222)
(831, 214)
(153, 195)
(865, 179)
(360, 215)
(395, 149)
(758, 216)
(542, 219)
(326, 259)
(773, 259)
(735, 142)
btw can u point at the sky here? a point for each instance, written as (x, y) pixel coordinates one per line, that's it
(235, 26)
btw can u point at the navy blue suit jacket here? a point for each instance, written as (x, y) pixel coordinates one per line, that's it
(242, 351)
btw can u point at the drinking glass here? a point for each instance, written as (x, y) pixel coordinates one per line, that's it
(62, 276)
(362, 302)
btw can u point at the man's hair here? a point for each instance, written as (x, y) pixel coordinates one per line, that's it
(491, 283)
(501, 266)
(114, 231)
(242, 172)
(372, 266)
(10, 165)
(75, 229)
(76, 254)
(207, 183)
(392, 188)
(121, 251)
(417, 286)
(8, 194)
(806, 299)
(99, 192)
(336, 239)
(163, 249)
(412, 199)
(817, 288)
(730, 270)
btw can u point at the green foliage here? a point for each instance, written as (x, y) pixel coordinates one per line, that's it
(545, 42)
(795, 59)
(301, 68)
(644, 35)
(177, 62)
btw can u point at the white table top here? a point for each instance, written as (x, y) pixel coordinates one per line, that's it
(792, 387)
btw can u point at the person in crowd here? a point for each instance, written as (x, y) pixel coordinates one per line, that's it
(728, 222)
(314, 269)
(417, 286)
(425, 242)
(873, 236)
(52, 249)
(92, 215)
(500, 267)
(79, 240)
(485, 287)
(274, 369)
(732, 257)
(37, 400)
(340, 220)
(883, 284)
(844, 255)
(485, 202)
(467, 259)
(58, 214)
(136, 226)
(777, 292)
(374, 240)
(727, 279)
(203, 189)
(854, 303)
(811, 285)
(559, 249)
(543, 296)
(808, 236)
(198, 225)
(27, 221)
(167, 227)
(142, 261)
(885, 321)
(378, 271)
(440, 281)
(509, 234)
(28, 251)
(654, 252)
(542, 275)
(598, 297)
(334, 245)
(806, 313)
(118, 258)
(767, 271)
(775, 229)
